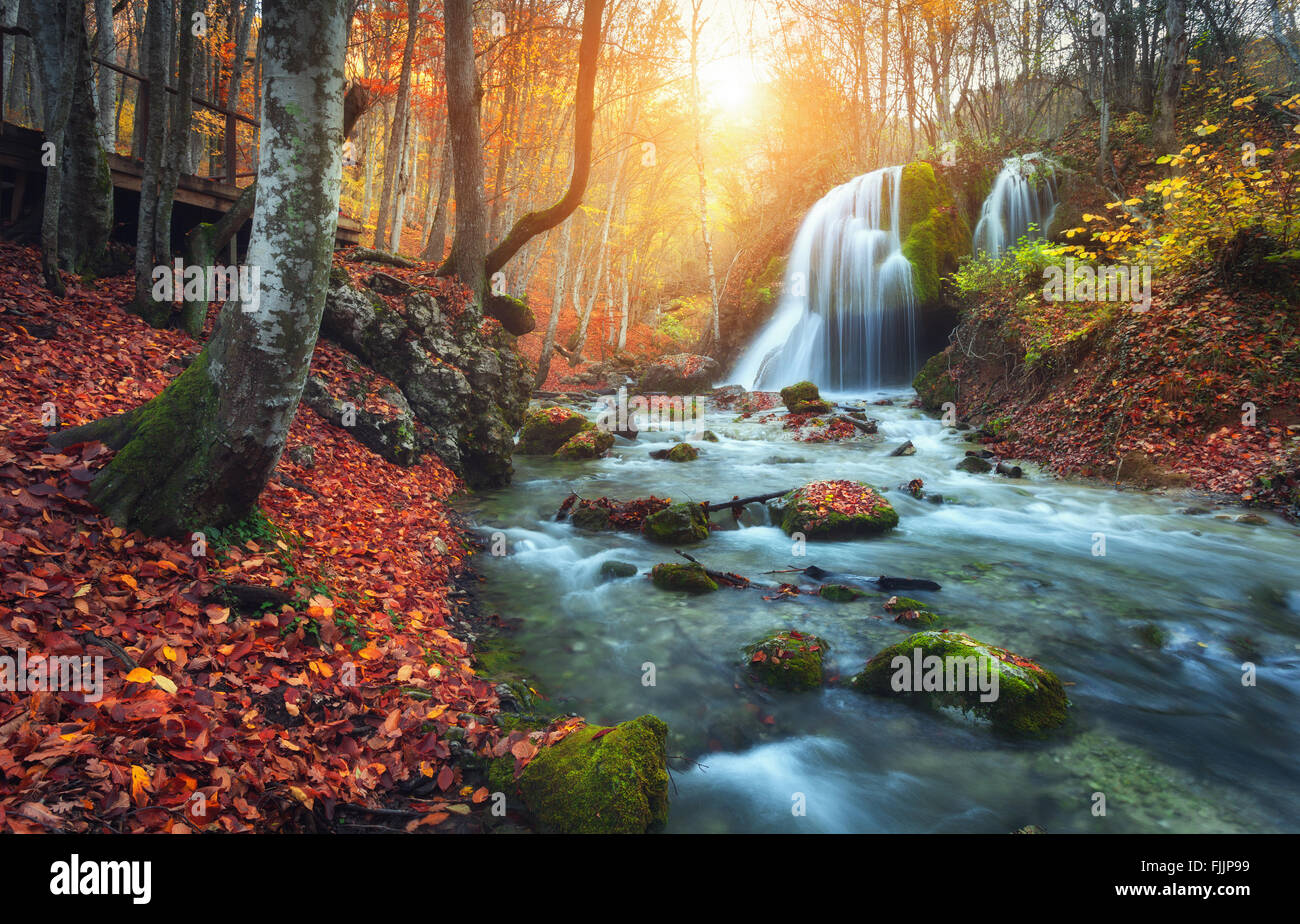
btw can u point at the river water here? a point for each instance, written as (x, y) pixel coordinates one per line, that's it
(1164, 729)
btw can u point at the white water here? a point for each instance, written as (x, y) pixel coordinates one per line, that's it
(1023, 196)
(847, 315)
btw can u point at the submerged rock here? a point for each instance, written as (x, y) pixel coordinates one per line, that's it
(690, 577)
(840, 593)
(676, 524)
(613, 570)
(975, 465)
(787, 660)
(911, 612)
(835, 509)
(588, 444)
(949, 668)
(683, 452)
(596, 780)
(545, 431)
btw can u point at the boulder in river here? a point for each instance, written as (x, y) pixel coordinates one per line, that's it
(596, 780)
(952, 669)
(591, 517)
(680, 374)
(840, 593)
(835, 509)
(975, 465)
(688, 576)
(586, 444)
(548, 429)
(804, 398)
(677, 524)
(912, 613)
(613, 570)
(787, 660)
(907, 449)
(683, 452)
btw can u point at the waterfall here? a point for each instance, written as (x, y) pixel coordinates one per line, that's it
(1023, 194)
(847, 318)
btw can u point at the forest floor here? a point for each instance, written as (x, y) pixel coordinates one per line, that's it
(347, 702)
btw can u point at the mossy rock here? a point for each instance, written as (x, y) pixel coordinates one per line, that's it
(677, 524)
(547, 430)
(614, 570)
(595, 519)
(594, 781)
(709, 436)
(683, 452)
(689, 576)
(975, 465)
(588, 444)
(515, 315)
(913, 613)
(935, 236)
(1030, 700)
(799, 393)
(934, 383)
(840, 593)
(811, 407)
(836, 509)
(787, 660)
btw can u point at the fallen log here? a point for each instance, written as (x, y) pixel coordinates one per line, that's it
(866, 426)
(742, 501)
(884, 582)
(722, 577)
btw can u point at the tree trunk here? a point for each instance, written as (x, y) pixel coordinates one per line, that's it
(107, 47)
(696, 26)
(396, 153)
(468, 257)
(1175, 64)
(557, 305)
(200, 453)
(436, 245)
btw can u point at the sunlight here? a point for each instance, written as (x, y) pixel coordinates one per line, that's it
(728, 86)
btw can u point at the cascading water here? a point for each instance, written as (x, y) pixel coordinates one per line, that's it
(847, 319)
(1023, 195)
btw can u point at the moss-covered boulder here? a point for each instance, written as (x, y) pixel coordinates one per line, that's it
(614, 570)
(787, 660)
(683, 452)
(798, 394)
(974, 465)
(835, 509)
(593, 518)
(934, 384)
(934, 233)
(596, 780)
(709, 436)
(515, 315)
(548, 429)
(912, 613)
(588, 444)
(952, 669)
(688, 576)
(840, 593)
(677, 524)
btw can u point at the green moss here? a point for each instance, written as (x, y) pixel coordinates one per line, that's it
(613, 570)
(683, 452)
(616, 783)
(799, 393)
(787, 660)
(806, 510)
(974, 465)
(547, 430)
(1030, 699)
(934, 384)
(676, 524)
(934, 234)
(690, 577)
(840, 593)
(588, 444)
(590, 518)
(912, 612)
(514, 314)
(709, 436)
(811, 407)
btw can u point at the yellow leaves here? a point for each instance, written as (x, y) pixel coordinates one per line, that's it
(127, 580)
(1088, 216)
(320, 607)
(436, 711)
(140, 784)
(301, 795)
(1205, 129)
(140, 675)
(165, 683)
(1243, 102)
(321, 668)
(370, 652)
(169, 652)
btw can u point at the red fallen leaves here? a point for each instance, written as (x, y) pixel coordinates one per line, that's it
(624, 515)
(225, 721)
(848, 498)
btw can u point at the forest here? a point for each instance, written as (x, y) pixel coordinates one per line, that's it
(649, 416)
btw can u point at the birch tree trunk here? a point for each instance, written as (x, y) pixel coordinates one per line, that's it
(396, 153)
(1175, 64)
(557, 305)
(696, 26)
(200, 453)
(106, 44)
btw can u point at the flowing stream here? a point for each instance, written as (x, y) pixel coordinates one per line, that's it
(1164, 729)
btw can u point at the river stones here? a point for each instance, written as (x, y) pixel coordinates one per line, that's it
(592, 518)
(548, 429)
(613, 570)
(586, 444)
(975, 465)
(683, 452)
(596, 780)
(913, 613)
(952, 669)
(787, 660)
(677, 524)
(835, 509)
(840, 593)
(804, 398)
(690, 577)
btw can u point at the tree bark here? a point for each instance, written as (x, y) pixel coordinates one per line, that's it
(396, 153)
(468, 257)
(1175, 65)
(200, 453)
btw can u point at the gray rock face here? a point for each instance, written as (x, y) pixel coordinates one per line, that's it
(469, 390)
